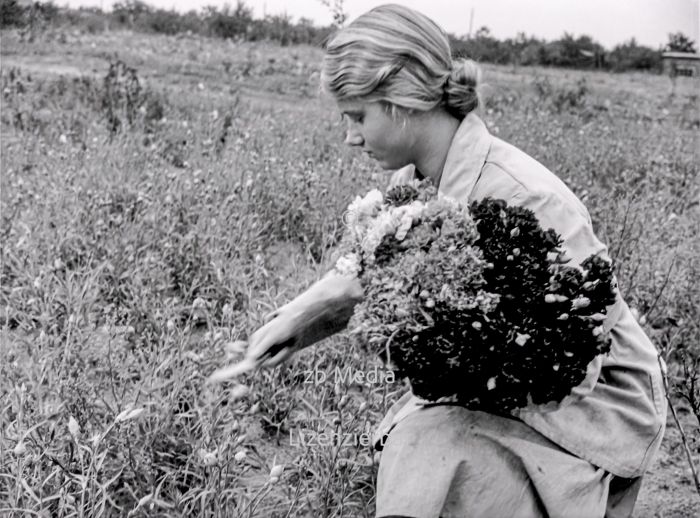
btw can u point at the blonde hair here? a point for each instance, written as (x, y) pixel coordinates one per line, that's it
(399, 56)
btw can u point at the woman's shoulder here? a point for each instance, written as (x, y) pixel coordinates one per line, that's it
(511, 174)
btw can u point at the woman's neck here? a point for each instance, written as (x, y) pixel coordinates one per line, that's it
(435, 132)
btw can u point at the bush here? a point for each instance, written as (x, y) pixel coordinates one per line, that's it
(630, 56)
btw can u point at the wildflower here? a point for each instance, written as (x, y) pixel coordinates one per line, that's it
(276, 473)
(240, 456)
(129, 414)
(19, 449)
(208, 458)
(73, 427)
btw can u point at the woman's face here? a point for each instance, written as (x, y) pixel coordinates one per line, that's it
(371, 127)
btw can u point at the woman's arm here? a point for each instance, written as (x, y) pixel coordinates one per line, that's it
(319, 312)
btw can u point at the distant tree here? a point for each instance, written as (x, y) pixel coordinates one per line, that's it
(165, 21)
(631, 56)
(130, 11)
(11, 13)
(679, 42)
(229, 23)
(567, 51)
(484, 47)
(279, 28)
(32, 16)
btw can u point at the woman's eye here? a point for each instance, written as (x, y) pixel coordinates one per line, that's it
(353, 117)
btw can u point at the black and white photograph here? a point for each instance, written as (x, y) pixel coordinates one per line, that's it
(350, 259)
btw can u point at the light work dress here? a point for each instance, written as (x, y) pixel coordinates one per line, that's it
(566, 460)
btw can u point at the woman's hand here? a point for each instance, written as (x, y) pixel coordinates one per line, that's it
(321, 311)
(276, 340)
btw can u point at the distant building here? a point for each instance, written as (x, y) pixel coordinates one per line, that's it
(681, 64)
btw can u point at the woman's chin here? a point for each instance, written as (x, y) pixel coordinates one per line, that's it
(384, 164)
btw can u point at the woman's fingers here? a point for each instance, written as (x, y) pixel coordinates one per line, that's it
(232, 371)
(267, 341)
(278, 358)
(239, 346)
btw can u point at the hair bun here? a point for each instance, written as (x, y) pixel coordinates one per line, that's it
(461, 88)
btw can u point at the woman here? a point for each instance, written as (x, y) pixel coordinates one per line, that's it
(411, 107)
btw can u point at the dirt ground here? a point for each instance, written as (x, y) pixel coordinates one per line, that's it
(668, 489)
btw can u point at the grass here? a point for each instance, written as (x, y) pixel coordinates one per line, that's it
(133, 260)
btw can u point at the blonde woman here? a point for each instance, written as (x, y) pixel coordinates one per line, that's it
(411, 107)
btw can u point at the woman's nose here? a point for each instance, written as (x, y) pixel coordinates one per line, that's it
(353, 138)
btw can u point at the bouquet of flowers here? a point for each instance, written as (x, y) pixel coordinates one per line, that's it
(474, 305)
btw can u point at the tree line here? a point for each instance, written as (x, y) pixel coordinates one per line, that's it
(238, 22)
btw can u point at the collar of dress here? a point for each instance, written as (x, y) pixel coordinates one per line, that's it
(465, 158)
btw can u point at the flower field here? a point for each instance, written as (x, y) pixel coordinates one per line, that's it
(160, 195)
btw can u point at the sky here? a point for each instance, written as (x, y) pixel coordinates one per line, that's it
(608, 21)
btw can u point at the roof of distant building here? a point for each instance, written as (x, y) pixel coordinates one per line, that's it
(681, 55)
